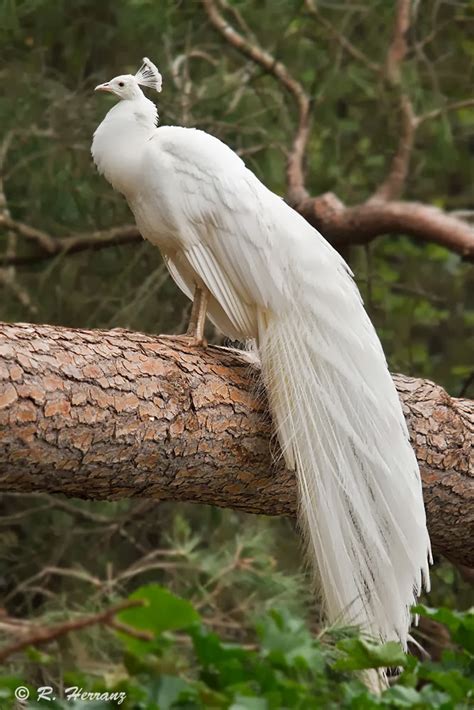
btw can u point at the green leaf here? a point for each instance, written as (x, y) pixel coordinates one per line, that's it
(401, 697)
(288, 638)
(162, 611)
(451, 681)
(361, 654)
(245, 702)
(171, 688)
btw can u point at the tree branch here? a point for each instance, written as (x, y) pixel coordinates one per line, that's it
(341, 225)
(392, 187)
(398, 47)
(294, 170)
(71, 244)
(38, 635)
(116, 414)
(345, 226)
(442, 110)
(382, 213)
(42, 239)
(341, 39)
(7, 275)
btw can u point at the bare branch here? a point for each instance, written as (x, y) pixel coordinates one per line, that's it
(294, 172)
(100, 239)
(129, 630)
(72, 244)
(398, 46)
(42, 239)
(346, 44)
(341, 225)
(442, 110)
(8, 280)
(360, 224)
(7, 274)
(39, 635)
(392, 187)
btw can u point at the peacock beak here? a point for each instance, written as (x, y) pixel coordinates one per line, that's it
(104, 87)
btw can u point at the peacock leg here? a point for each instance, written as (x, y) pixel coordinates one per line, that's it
(197, 320)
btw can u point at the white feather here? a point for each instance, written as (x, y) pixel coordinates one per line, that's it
(149, 76)
(274, 278)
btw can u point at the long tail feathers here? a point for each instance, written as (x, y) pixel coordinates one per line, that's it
(341, 426)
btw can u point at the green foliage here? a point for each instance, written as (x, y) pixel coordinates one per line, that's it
(361, 653)
(286, 668)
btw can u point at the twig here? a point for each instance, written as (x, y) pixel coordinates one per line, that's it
(294, 171)
(71, 244)
(345, 43)
(236, 15)
(398, 47)
(455, 106)
(392, 187)
(130, 630)
(58, 571)
(42, 239)
(7, 274)
(45, 635)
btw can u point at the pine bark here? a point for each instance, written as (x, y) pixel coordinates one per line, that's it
(115, 414)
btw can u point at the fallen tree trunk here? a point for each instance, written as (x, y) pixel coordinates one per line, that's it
(114, 414)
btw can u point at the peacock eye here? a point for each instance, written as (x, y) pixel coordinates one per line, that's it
(121, 83)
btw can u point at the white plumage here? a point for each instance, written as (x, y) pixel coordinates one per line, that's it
(274, 278)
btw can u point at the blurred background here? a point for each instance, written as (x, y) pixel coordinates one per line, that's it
(64, 557)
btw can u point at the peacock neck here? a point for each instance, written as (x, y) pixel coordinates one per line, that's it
(120, 140)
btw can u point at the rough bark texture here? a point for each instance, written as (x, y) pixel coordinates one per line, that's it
(345, 226)
(113, 414)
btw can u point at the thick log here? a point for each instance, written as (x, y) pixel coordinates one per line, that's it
(114, 414)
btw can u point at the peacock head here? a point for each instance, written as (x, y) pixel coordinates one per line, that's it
(127, 86)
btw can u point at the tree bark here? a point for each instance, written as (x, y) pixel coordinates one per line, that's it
(346, 226)
(114, 414)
